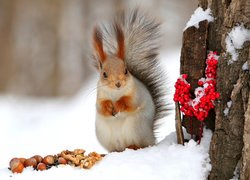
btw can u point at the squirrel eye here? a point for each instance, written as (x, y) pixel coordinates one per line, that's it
(105, 75)
(126, 71)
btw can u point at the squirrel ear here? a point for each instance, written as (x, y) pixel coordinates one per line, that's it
(120, 41)
(98, 45)
(100, 64)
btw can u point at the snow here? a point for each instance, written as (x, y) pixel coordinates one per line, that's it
(245, 66)
(226, 110)
(198, 16)
(167, 160)
(235, 40)
(28, 129)
(237, 172)
(48, 126)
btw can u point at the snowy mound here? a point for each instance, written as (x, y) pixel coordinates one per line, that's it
(44, 126)
(166, 160)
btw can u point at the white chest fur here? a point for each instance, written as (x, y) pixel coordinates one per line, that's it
(136, 128)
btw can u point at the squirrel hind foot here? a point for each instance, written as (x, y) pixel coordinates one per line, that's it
(134, 147)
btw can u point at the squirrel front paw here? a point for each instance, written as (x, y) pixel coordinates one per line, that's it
(107, 108)
(124, 104)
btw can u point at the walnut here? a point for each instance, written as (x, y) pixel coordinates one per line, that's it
(78, 151)
(77, 158)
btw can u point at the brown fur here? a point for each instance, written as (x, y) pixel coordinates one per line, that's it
(129, 65)
(98, 45)
(125, 103)
(134, 147)
(107, 108)
(134, 38)
(114, 75)
(120, 42)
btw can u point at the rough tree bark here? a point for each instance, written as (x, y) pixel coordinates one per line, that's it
(233, 85)
(193, 56)
(245, 168)
(230, 143)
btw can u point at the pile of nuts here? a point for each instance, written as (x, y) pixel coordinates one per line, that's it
(74, 158)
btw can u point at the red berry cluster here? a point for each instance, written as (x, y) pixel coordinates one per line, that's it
(204, 95)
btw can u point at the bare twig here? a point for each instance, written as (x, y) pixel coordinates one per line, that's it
(178, 125)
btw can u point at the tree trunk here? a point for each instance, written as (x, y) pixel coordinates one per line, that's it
(231, 139)
(245, 169)
(193, 63)
(6, 10)
(233, 85)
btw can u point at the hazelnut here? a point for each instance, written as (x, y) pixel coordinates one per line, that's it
(41, 167)
(30, 162)
(38, 158)
(61, 160)
(16, 165)
(48, 160)
(22, 160)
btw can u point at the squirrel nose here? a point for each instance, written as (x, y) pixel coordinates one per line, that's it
(118, 84)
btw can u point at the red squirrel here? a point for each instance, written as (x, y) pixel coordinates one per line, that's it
(130, 96)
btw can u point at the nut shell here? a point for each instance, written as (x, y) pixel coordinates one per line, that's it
(16, 165)
(61, 160)
(22, 160)
(79, 151)
(48, 160)
(30, 162)
(38, 158)
(41, 167)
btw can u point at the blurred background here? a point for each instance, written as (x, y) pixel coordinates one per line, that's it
(45, 44)
(47, 83)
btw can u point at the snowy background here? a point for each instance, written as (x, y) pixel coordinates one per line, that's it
(46, 126)
(43, 126)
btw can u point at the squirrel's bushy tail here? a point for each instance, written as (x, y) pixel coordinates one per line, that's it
(142, 43)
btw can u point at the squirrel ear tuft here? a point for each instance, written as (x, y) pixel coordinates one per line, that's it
(120, 41)
(98, 45)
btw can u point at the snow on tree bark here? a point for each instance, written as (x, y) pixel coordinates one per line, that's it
(231, 139)
(193, 63)
(233, 85)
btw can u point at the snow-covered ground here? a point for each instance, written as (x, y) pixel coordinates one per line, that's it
(44, 126)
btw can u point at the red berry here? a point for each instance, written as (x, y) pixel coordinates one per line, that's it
(200, 83)
(184, 76)
(206, 96)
